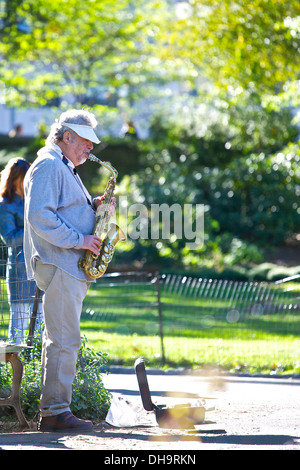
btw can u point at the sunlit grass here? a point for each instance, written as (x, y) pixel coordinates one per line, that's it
(253, 352)
(123, 321)
(197, 331)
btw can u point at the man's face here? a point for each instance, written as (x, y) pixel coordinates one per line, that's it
(77, 148)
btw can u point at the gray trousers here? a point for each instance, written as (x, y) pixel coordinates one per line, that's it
(62, 305)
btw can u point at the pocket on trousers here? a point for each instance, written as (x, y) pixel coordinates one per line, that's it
(44, 274)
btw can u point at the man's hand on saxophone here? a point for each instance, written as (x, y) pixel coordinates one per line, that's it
(92, 243)
(98, 200)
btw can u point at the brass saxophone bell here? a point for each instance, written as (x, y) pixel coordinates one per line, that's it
(113, 236)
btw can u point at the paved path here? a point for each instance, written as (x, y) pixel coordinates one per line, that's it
(249, 413)
(253, 411)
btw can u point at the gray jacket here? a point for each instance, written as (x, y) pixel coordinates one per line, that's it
(57, 214)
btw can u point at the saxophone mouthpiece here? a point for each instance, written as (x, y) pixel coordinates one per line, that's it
(93, 158)
(106, 165)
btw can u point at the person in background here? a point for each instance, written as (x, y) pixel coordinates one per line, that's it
(20, 290)
(129, 130)
(17, 131)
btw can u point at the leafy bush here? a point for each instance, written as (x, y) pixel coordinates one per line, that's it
(216, 132)
(257, 197)
(90, 399)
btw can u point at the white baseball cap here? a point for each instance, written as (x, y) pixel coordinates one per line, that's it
(85, 131)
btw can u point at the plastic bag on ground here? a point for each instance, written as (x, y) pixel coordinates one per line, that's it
(124, 412)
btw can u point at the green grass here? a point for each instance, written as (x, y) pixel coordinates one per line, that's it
(200, 327)
(123, 321)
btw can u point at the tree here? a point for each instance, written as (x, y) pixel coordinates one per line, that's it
(240, 45)
(51, 49)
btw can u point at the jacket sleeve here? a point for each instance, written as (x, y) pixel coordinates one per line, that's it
(11, 234)
(41, 202)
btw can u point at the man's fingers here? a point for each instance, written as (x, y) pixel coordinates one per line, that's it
(96, 244)
(92, 243)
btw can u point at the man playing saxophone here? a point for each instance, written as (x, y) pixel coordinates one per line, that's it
(59, 221)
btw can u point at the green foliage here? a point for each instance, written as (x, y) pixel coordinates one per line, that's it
(87, 49)
(257, 197)
(250, 203)
(89, 400)
(239, 45)
(122, 49)
(211, 131)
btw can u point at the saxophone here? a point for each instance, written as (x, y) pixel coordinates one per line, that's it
(96, 265)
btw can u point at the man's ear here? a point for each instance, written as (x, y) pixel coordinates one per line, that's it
(67, 137)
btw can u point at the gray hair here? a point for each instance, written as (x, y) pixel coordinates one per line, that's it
(73, 116)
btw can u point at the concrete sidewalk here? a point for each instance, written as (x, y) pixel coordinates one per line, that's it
(254, 411)
(249, 413)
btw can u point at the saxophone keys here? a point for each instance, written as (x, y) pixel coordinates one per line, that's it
(102, 268)
(106, 258)
(93, 273)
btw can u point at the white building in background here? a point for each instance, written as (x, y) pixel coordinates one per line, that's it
(29, 119)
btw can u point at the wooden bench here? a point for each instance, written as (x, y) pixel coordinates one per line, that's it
(10, 353)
